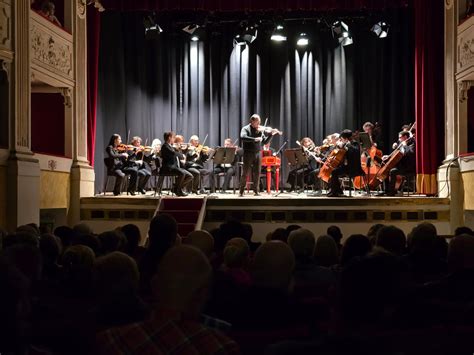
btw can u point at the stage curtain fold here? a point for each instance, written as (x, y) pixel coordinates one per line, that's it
(429, 91)
(93, 42)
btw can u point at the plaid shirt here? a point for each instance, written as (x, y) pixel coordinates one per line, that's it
(165, 333)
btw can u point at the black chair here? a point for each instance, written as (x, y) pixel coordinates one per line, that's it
(109, 164)
(350, 180)
(218, 176)
(160, 176)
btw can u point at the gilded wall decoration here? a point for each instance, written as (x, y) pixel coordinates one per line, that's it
(5, 25)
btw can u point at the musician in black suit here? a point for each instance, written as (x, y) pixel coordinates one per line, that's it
(253, 136)
(406, 166)
(117, 163)
(170, 164)
(138, 157)
(228, 169)
(351, 165)
(196, 157)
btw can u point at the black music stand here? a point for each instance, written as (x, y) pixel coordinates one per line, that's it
(365, 141)
(223, 155)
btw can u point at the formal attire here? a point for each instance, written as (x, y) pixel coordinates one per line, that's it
(170, 164)
(195, 165)
(252, 158)
(228, 169)
(143, 169)
(118, 165)
(350, 167)
(405, 167)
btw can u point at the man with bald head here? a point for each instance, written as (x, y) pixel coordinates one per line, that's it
(180, 288)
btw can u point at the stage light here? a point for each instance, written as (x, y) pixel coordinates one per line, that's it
(190, 28)
(152, 29)
(247, 35)
(381, 29)
(302, 40)
(340, 31)
(278, 34)
(195, 31)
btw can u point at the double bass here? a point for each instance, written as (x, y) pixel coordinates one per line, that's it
(371, 170)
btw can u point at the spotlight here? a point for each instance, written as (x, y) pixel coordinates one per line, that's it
(247, 35)
(195, 31)
(152, 29)
(340, 31)
(278, 35)
(302, 40)
(381, 29)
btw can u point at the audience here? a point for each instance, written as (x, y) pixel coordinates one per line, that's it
(47, 10)
(75, 292)
(180, 289)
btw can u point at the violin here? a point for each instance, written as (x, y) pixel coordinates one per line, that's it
(124, 148)
(267, 129)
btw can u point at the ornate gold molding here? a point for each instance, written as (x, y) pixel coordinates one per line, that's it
(448, 4)
(5, 25)
(67, 94)
(463, 88)
(81, 9)
(4, 66)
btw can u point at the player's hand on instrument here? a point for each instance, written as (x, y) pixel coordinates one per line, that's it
(319, 160)
(258, 139)
(385, 157)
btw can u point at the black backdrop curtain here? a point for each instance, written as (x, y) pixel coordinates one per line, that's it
(209, 87)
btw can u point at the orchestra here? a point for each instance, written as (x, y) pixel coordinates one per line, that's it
(340, 154)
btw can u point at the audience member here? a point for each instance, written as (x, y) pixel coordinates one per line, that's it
(202, 240)
(180, 288)
(47, 10)
(134, 239)
(50, 248)
(111, 241)
(326, 252)
(392, 239)
(116, 283)
(65, 234)
(357, 245)
(372, 233)
(335, 233)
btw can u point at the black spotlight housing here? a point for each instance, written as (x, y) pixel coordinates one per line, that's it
(152, 29)
(380, 29)
(340, 31)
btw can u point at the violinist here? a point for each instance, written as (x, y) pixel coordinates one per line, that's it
(171, 164)
(253, 136)
(137, 157)
(196, 156)
(117, 164)
(297, 175)
(228, 169)
(351, 165)
(406, 166)
(181, 149)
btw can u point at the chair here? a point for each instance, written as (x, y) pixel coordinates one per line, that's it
(222, 175)
(108, 163)
(350, 181)
(408, 184)
(160, 177)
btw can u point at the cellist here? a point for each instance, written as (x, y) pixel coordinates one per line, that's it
(406, 166)
(350, 166)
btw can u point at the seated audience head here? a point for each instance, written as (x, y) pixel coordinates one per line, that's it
(111, 241)
(29, 228)
(273, 266)
(372, 288)
(302, 242)
(78, 263)
(422, 239)
(227, 230)
(236, 253)
(335, 233)
(392, 239)
(290, 228)
(36, 228)
(50, 248)
(133, 237)
(82, 228)
(14, 308)
(357, 245)
(27, 259)
(247, 232)
(64, 233)
(463, 230)
(20, 238)
(162, 233)
(461, 253)
(280, 234)
(182, 280)
(372, 232)
(326, 252)
(203, 240)
(89, 240)
(116, 276)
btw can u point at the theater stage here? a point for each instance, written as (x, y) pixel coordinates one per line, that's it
(354, 214)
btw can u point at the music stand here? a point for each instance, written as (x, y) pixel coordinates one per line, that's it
(223, 155)
(365, 141)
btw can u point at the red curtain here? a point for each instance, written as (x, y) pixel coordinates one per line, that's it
(429, 92)
(93, 39)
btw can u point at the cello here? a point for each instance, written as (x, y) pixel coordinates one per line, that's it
(334, 159)
(371, 169)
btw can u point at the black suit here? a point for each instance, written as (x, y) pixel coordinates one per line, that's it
(406, 166)
(144, 170)
(351, 167)
(252, 158)
(170, 164)
(195, 164)
(119, 166)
